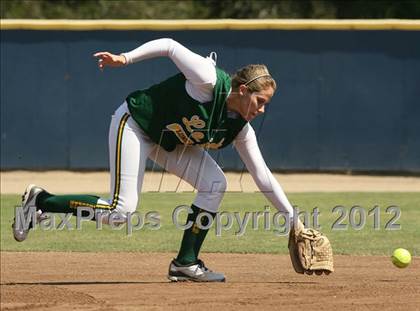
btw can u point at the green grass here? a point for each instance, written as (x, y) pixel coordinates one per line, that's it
(366, 241)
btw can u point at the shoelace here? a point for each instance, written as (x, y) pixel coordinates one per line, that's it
(202, 265)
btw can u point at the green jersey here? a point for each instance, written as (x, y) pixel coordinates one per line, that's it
(169, 116)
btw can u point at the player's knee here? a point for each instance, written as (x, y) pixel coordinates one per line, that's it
(220, 185)
(217, 191)
(217, 185)
(211, 189)
(210, 200)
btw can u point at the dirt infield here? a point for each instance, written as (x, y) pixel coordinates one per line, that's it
(135, 281)
(98, 182)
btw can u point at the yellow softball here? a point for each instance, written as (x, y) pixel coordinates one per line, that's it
(401, 257)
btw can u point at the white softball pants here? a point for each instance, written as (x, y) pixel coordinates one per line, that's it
(130, 147)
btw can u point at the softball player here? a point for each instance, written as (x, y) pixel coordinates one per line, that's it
(174, 123)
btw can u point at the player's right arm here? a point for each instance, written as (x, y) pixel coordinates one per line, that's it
(199, 71)
(196, 69)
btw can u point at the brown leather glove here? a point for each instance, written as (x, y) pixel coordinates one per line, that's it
(310, 251)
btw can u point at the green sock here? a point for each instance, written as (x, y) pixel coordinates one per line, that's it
(193, 238)
(49, 203)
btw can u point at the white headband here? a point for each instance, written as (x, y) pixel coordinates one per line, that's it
(257, 77)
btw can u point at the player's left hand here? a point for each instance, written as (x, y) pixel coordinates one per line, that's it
(310, 251)
(109, 59)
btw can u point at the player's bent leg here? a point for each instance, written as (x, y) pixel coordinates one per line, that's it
(194, 165)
